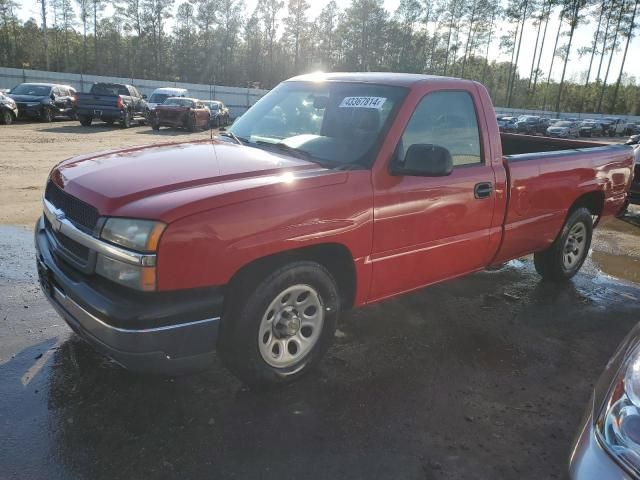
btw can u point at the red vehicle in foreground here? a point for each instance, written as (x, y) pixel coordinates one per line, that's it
(331, 192)
(180, 112)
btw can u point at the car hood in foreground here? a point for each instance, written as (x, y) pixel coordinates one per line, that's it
(170, 181)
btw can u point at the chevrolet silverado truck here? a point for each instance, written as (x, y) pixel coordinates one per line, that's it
(333, 191)
(112, 102)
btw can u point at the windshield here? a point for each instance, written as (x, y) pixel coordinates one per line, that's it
(30, 89)
(563, 124)
(338, 122)
(158, 97)
(182, 102)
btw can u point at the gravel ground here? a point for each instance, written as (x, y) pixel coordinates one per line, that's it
(485, 377)
(30, 150)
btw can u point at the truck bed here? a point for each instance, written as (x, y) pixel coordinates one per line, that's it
(546, 175)
(514, 145)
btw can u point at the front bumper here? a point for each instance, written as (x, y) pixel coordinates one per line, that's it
(26, 111)
(589, 461)
(172, 332)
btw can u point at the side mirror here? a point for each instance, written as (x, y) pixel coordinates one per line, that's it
(144, 97)
(424, 160)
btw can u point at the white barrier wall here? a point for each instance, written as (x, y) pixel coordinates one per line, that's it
(237, 99)
(516, 112)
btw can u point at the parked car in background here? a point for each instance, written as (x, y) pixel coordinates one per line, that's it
(632, 128)
(590, 128)
(252, 243)
(44, 101)
(112, 102)
(159, 95)
(531, 124)
(189, 113)
(563, 129)
(8, 109)
(219, 113)
(614, 126)
(634, 189)
(608, 442)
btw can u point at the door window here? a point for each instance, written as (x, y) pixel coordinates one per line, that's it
(447, 119)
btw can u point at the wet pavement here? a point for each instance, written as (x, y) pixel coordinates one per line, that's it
(484, 377)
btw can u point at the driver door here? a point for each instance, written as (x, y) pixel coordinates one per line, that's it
(428, 229)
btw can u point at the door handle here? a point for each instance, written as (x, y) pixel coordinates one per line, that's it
(482, 190)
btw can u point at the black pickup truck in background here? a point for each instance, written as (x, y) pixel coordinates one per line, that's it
(111, 102)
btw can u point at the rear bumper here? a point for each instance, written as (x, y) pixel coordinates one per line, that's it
(103, 113)
(171, 333)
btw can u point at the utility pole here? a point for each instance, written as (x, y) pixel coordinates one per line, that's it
(43, 3)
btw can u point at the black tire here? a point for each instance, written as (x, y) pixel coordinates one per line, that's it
(85, 120)
(191, 123)
(238, 342)
(126, 119)
(155, 125)
(46, 115)
(218, 122)
(551, 263)
(7, 118)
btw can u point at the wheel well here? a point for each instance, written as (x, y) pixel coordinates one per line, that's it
(336, 258)
(592, 201)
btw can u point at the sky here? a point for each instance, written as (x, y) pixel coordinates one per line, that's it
(576, 67)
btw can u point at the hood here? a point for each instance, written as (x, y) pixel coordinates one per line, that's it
(28, 98)
(170, 181)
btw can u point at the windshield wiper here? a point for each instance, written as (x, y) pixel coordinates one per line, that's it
(233, 136)
(295, 152)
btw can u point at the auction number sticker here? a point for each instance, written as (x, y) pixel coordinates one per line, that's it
(363, 102)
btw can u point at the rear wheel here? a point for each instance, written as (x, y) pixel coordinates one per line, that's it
(85, 120)
(282, 327)
(7, 118)
(126, 119)
(563, 259)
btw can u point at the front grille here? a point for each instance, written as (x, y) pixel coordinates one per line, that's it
(77, 211)
(68, 244)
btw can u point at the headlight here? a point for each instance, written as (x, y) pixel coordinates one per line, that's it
(618, 426)
(132, 276)
(140, 235)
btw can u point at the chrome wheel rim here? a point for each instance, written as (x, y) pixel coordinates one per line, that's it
(574, 246)
(291, 326)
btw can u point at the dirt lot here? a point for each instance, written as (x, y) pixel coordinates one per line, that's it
(481, 378)
(29, 150)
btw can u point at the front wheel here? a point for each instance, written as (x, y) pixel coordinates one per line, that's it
(567, 253)
(279, 328)
(7, 118)
(85, 120)
(46, 115)
(191, 123)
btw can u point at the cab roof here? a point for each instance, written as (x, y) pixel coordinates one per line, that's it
(383, 78)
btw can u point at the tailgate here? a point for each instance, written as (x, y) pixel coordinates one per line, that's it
(97, 101)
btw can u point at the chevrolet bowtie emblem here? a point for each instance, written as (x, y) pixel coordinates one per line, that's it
(60, 216)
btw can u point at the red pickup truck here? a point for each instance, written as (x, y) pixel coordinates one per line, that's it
(333, 191)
